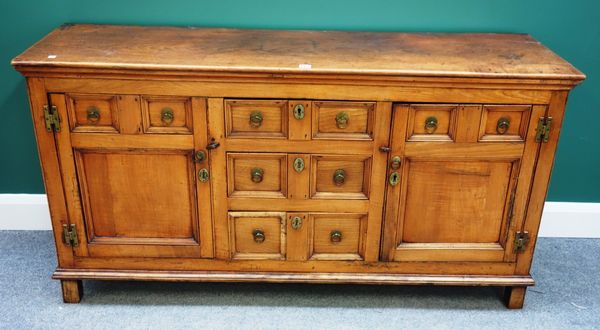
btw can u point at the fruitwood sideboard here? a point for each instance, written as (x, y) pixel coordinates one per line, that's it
(188, 154)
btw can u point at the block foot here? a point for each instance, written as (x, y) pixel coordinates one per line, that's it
(72, 291)
(515, 296)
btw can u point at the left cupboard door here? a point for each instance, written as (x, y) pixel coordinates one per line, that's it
(129, 166)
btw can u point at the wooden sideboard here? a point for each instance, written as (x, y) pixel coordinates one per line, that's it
(188, 154)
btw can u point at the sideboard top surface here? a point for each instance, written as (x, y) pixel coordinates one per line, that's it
(83, 46)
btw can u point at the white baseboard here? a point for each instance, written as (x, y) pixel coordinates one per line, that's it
(24, 212)
(30, 212)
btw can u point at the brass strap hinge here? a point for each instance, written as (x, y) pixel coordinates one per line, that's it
(70, 235)
(52, 119)
(542, 132)
(521, 240)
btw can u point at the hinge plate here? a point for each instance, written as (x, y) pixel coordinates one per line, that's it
(70, 235)
(52, 119)
(521, 240)
(542, 132)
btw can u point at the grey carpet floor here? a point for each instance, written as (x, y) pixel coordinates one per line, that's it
(567, 295)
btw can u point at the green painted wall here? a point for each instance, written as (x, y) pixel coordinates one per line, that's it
(570, 28)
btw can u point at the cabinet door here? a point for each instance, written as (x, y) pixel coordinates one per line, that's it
(454, 192)
(129, 168)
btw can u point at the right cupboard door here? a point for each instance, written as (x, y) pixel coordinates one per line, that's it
(458, 181)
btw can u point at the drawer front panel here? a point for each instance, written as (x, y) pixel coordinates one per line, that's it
(340, 177)
(343, 120)
(257, 235)
(257, 175)
(431, 122)
(167, 115)
(504, 123)
(256, 118)
(338, 236)
(93, 113)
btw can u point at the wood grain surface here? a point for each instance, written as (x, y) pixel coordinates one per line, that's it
(229, 50)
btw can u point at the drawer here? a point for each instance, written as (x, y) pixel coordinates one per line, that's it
(431, 122)
(167, 114)
(257, 175)
(504, 122)
(256, 118)
(93, 113)
(338, 236)
(257, 235)
(343, 120)
(340, 177)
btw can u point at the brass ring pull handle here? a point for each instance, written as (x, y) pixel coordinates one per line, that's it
(502, 125)
(258, 235)
(256, 118)
(93, 115)
(339, 176)
(335, 236)
(431, 125)
(257, 174)
(167, 116)
(341, 120)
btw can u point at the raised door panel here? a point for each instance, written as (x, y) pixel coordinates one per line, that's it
(131, 197)
(134, 193)
(454, 210)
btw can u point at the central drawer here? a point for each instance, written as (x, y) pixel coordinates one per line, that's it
(299, 178)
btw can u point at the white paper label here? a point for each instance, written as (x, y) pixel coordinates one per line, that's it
(305, 66)
(51, 56)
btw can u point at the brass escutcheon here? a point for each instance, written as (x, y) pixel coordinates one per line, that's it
(299, 111)
(335, 236)
(298, 164)
(93, 115)
(394, 178)
(203, 175)
(167, 116)
(431, 125)
(502, 125)
(257, 174)
(258, 235)
(256, 118)
(341, 120)
(339, 176)
(296, 222)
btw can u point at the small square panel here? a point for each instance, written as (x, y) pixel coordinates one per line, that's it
(93, 113)
(504, 123)
(431, 122)
(256, 119)
(167, 115)
(257, 235)
(336, 120)
(340, 176)
(257, 175)
(338, 236)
